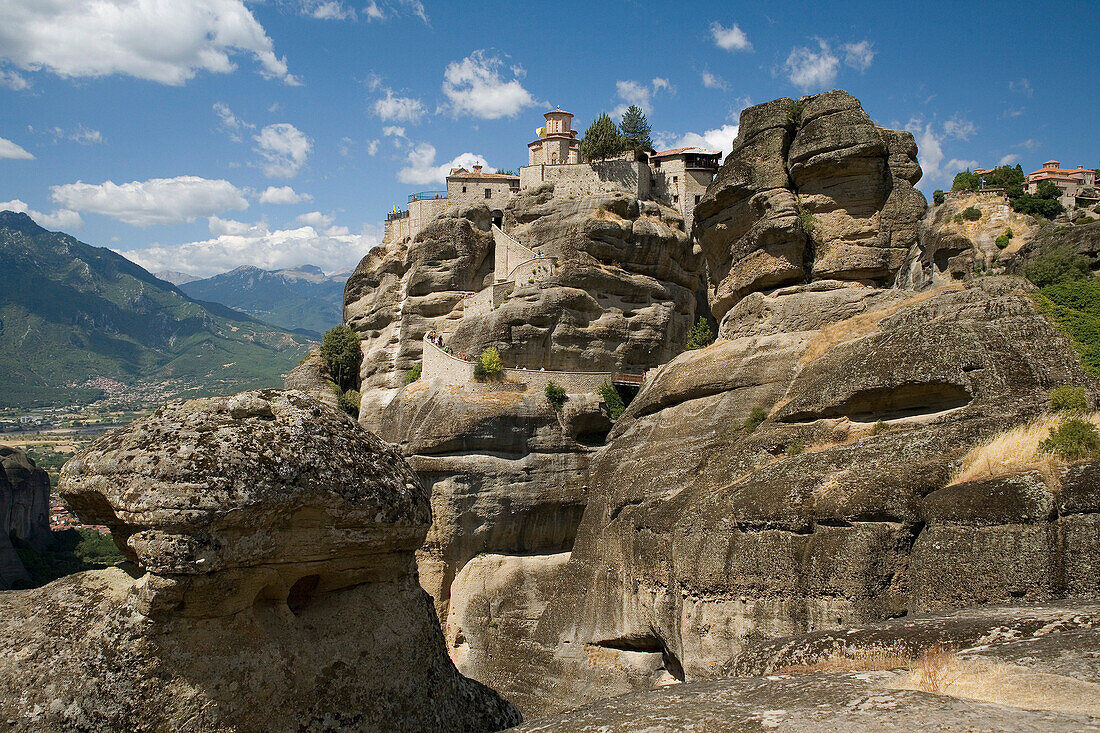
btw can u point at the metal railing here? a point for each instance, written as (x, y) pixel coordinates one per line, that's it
(393, 215)
(426, 195)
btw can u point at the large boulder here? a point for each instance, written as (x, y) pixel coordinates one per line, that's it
(812, 190)
(272, 586)
(24, 512)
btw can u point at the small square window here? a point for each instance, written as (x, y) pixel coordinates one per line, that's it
(463, 189)
(488, 193)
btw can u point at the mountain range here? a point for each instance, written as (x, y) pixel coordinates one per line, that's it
(71, 313)
(297, 298)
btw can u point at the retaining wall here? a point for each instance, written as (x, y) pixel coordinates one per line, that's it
(507, 253)
(590, 179)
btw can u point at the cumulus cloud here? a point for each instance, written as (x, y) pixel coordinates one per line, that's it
(60, 219)
(713, 81)
(284, 149)
(333, 250)
(475, 86)
(283, 195)
(929, 150)
(230, 122)
(730, 39)
(372, 147)
(12, 80)
(959, 128)
(1010, 159)
(10, 150)
(639, 93)
(315, 219)
(392, 108)
(859, 55)
(373, 12)
(812, 70)
(720, 138)
(162, 42)
(156, 201)
(421, 168)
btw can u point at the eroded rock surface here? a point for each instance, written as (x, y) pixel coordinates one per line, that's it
(273, 587)
(24, 511)
(812, 190)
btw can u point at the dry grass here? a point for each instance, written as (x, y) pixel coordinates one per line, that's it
(941, 671)
(857, 659)
(1016, 451)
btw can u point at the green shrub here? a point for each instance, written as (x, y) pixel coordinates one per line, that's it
(489, 365)
(555, 395)
(700, 335)
(1096, 208)
(958, 218)
(796, 448)
(938, 197)
(343, 355)
(414, 374)
(972, 213)
(1073, 440)
(1068, 399)
(807, 221)
(794, 113)
(1081, 220)
(1058, 265)
(615, 404)
(879, 427)
(349, 402)
(966, 181)
(1002, 241)
(756, 416)
(1009, 233)
(1074, 307)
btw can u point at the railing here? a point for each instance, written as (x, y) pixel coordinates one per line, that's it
(394, 215)
(423, 195)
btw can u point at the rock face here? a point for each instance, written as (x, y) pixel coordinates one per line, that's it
(1019, 669)
(812, 190)
(273, 587)
(1083, 240)
(24, 511)
(313, 378)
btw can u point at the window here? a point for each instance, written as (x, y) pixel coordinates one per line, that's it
(675, 199)
(676, 179)
(463, 189)
(488, 193)
(697, 198)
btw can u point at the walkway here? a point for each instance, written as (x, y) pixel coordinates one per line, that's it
(513, 264)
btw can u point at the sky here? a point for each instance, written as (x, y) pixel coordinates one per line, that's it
(202, 135)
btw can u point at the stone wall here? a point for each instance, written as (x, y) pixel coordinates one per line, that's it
(590, 179)
(420, 213)
(532, 271)
(508, 253)
(478, 303)
(448, 369)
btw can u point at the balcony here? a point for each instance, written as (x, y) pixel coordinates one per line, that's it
(395, 215)
(704, 162)
(427, 195)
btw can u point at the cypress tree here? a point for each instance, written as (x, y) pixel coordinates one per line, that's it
(601, 140)
(635, 129)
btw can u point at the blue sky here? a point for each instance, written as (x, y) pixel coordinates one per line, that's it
(207, 134)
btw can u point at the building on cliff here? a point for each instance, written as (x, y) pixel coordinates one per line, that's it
(557, 141)
(1076, 184)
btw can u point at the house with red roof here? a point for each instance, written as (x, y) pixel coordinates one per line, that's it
(1076, 184)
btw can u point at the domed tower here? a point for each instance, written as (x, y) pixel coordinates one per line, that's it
(557, 141)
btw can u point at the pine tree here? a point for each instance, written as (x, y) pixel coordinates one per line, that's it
(635, 129)
(601, 140)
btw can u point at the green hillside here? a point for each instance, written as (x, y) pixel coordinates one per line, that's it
(70, 313)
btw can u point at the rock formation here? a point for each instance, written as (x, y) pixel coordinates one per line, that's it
(312, 377)
(24, 512)
(273, 585)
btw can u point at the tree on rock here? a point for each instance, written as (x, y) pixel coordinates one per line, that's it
(635, 129)
(342, 354)
(601, 140)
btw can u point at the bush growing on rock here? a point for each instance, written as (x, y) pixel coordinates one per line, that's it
(1068, 399)
(1002, 241)
(756, 416)
(414, 374)
(615, 404)
(1074, 439)
(555, 395)
(938, 197)
(796, 448)
(972, 213)
(349, 402)
(489, 365)
(1058, 265)
(343, 355)
(700, 335)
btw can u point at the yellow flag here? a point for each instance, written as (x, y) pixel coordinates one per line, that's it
(540, 131)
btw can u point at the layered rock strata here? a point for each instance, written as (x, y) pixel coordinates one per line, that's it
(272, 585)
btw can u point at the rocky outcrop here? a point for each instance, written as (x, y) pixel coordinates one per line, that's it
(24, 512)
(312, 377)
(273, 585)
(1016, 669)
(1082, 240)
(812, 190)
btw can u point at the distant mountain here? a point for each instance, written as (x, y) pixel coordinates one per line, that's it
(175, 277)
(298, 298)
(71, 313)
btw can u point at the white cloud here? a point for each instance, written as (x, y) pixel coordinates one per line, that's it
(713, 81)
(416, 8)
(372, 147)
(373, 12)
(421, 167)
(956, 165)
(156, 201)
(8, 149)
(61, 219)
(859, 55)
(283, 195)
(81, 134)
(1010, 159)
(334, 250)
(1030, 144)
(730, 39)
(720, 138)
(812, 70)
(391, 108)
(638, 93)
(393, 131)
(166, 42)
(959, 128)
(327, 10)
(219, 226)
(929, 150)
(284, 149)
(1021, 86)
(474, 86)
(315, 219)
(230, 122)
(12, 80)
